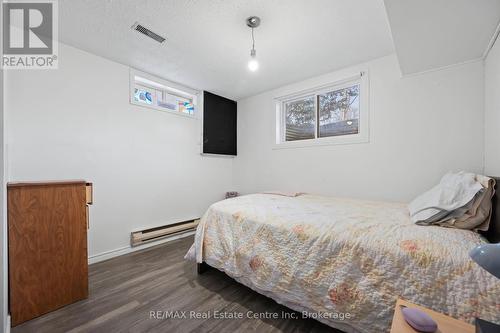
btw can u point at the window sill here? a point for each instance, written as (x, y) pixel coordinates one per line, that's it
(331, 141)
(217, 155)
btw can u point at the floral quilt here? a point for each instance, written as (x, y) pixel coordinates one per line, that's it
(345, 261)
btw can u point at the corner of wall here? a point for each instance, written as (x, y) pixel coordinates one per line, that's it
(4, 319)
(491, 162)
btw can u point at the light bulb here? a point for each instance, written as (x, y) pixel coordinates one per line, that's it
(253, 65)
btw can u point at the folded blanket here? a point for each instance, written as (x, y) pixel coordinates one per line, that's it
(461, 200)
(477, 214)
(454, 190)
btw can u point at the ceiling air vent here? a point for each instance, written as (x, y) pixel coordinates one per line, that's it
(147, 32)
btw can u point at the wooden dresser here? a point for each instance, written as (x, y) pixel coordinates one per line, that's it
(48, 265)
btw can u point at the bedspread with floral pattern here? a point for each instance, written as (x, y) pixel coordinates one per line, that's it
(332, 256)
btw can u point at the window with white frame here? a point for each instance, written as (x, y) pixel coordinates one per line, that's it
(159, 94)
(335, 113)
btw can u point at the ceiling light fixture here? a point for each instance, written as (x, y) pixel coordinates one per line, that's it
(253, 64)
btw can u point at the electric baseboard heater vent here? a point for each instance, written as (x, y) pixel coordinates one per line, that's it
(149, 235)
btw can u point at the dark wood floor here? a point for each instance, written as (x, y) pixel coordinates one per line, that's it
(125, 290)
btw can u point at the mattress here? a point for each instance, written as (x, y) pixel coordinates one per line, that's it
(345, 261)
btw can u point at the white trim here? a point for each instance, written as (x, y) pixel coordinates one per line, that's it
(164, 82)
(152, 82)
(217, 155)
(490, 45)
(323, 87)
(364, 118)
(128, 249)
(328, 141)
(200, 113)
(492, 41)
(442, 68)
(7, 324)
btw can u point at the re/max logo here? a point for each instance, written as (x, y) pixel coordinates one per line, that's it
(167, 314)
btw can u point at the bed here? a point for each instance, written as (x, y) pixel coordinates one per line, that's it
(343, 261)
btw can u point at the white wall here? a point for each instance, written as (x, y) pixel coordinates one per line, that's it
(4, 326)
(421, 127)
(3, 217)
(76, 122)
(492, 111)
(3, 212)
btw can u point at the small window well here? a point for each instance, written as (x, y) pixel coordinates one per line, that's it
(162, 95)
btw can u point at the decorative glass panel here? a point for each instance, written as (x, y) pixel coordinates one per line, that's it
(186, 107)
(143, 96)
(167, 101)
(339, 112)
(175, 103)
(300, 118)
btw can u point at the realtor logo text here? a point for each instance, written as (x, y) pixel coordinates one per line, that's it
(29, 35)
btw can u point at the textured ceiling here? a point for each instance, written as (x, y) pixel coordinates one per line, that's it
(208, 43)
(430, 34)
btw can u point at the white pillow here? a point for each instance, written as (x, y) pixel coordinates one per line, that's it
(454, 190)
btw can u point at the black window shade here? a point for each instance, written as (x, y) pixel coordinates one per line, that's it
(219, 125)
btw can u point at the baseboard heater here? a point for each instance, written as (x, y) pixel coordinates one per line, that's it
(148, 235)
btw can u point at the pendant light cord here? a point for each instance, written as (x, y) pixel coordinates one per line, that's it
(253, 41)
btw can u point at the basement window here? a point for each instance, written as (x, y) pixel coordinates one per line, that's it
(155, 93)
(336, 113)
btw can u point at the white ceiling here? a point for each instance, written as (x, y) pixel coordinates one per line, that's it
(208, 43)
(431, 34)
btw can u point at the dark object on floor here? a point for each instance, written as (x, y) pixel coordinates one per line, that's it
(202, 268)
(483, 326)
